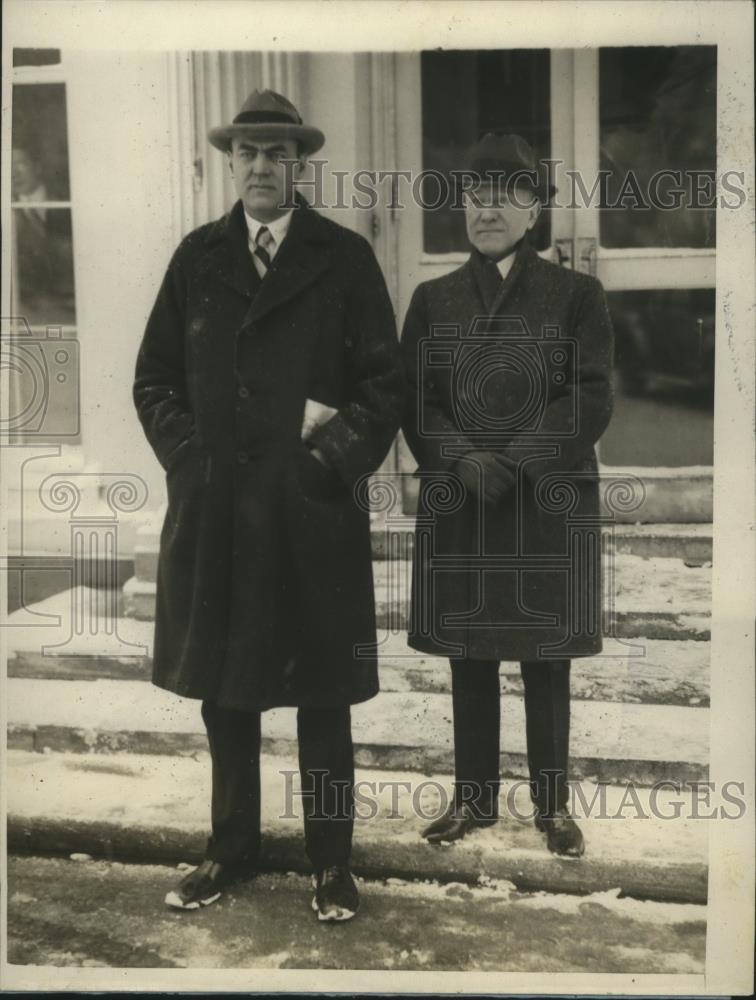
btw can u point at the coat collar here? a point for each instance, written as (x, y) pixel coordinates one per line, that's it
(302, 257)
(493, 291)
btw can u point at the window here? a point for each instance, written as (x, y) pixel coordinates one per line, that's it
(464, 95)
(43, 355)
(659, 112)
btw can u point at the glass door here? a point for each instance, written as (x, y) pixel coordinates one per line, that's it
(462, 94)
(646, 129)
(628, 129)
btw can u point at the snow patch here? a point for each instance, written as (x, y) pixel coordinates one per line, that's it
(643, 910)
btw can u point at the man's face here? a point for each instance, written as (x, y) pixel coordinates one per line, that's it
(262, 180)
(23, 172)
(496, 219)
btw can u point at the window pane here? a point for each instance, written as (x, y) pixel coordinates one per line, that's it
(664, 378)
(43, 281)
(464, 95)
(36, 57)
(43, 379)
(658, 112)
(40, 143)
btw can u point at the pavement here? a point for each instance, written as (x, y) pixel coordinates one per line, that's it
(104, 763)
(151, 807)
(99, 914)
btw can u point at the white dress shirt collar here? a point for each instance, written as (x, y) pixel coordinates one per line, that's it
(278, 229)
(505, 264)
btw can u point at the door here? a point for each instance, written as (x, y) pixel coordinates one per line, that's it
(606, 115)
(646, 120)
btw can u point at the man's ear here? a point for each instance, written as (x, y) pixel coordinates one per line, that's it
(535, 211)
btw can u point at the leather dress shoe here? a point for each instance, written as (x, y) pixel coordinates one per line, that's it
(204, 884)
(454, 824)
(563, 835)
(336, 897)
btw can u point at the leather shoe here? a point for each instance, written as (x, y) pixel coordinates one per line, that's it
(453, 825)
(336, 897)
(204, 884)
(563, 836)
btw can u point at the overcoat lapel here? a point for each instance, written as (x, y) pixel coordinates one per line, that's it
(493, 291)
(301, 260)
(303, 257)
(486, 278)
(230, 259)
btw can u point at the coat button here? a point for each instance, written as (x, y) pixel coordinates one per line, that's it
(242, 392)
(242, 457)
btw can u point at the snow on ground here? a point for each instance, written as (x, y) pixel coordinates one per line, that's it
(647, 911)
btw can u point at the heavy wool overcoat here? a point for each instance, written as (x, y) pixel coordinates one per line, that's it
(264, 586)
(521, 367)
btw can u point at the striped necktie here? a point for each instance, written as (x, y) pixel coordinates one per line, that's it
(263, 242)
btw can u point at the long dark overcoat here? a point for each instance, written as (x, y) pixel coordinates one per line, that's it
(522, 367)
(264, 586)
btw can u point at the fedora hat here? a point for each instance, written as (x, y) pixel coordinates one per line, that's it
(509, 158)
(266, 113)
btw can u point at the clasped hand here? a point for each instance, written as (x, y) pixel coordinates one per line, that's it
(487, 474)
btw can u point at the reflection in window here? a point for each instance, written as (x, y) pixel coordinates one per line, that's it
(43, 265)
(43, 359)
(464, 95)
(40, 143)
(43, 282)
(664, 378)
(658, 112)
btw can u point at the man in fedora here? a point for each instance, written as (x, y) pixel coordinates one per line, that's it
(268, 383)
(509, 360)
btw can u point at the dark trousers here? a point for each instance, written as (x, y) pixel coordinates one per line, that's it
(326, 766)
(476, 706)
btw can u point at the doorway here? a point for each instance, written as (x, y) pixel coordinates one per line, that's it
(603, 115)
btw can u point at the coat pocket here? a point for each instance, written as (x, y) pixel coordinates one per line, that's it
(180, 453)
(316, 480)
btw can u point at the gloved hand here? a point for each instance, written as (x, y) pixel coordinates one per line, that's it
(498, 474)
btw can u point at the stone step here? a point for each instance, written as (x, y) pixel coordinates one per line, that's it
(646, 671)
(666, 495)
(657, 598)
(690, 542)
(609, 741)
(156, 808)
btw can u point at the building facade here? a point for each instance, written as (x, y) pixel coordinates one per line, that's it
(112, 167)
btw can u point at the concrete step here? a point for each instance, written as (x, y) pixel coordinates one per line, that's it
(156, 808)
(690, 542)
(645, 671)
(610, 741)
(670, 495)
(656, 598)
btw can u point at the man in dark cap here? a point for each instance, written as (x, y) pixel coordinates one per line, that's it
(509, 361)
(268, 383)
